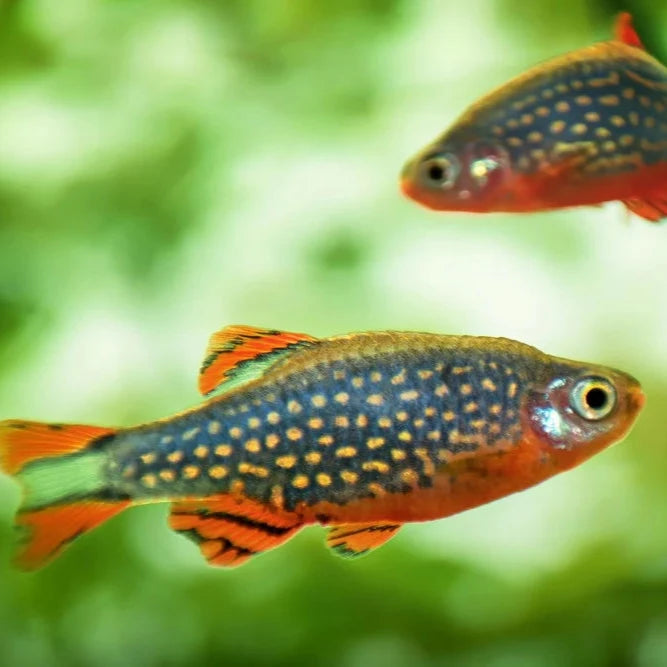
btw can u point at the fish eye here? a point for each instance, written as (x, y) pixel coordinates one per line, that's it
(441, 170)
(593, 398)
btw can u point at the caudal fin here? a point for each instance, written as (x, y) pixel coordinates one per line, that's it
(60, 469)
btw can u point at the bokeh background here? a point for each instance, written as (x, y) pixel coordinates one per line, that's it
(169, 167)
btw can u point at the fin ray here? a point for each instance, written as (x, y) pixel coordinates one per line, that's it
(356, 539)
(652, 209)
(625, 32)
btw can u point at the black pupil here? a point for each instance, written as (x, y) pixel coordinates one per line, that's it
(596, 398)
(436, 172)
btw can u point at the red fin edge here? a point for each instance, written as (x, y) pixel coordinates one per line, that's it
(234, 345)
(49, 530)
(625, 32)
(24, 441)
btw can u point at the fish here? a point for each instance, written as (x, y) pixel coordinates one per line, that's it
(584, 128)
(360, 433)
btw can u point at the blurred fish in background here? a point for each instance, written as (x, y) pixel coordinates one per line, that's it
(166, 167)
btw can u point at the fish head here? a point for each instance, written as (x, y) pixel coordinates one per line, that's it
(576, 410)
(459, 173)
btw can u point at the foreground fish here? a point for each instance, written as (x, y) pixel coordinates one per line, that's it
(585, 128)
(362, 432)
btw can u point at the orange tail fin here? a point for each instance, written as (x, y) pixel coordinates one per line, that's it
(61, 471)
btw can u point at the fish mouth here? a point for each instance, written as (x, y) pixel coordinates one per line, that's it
(637, 398)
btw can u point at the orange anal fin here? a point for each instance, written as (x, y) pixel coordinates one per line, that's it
(234, 350)
(47, 531)
(625, 32)
(356, 539)
(653, 209)
(24, 441)
(229, 530)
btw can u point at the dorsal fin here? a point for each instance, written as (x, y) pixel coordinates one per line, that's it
(625, 32)
(238, 354)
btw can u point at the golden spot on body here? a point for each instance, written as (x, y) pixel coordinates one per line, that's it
(342, 397)
(235, 432)
(315, 423)
(409, 476)
(557, 126)
(424, 456)
(523, 162)
(300, 482)
(326, 440)
(496, 409)
(576, 84)
(626, 140)
(346, 452)
(286, 461)
(377, 489)
(443, 454)
(214, 427)
(273, 417)
(645, 101)
(244, 408)
(512, 389)
(633, 116)
(374, 443)
(461, 370)
(542, 111)
(494, 429)
(659, 106)
(254, 422)
(375, 399)
(277, 498)
(341, 421)
(592, 116)
(516, 142)
(190, 472)
(466, 389)
(535, 137)
(402, 416)
(441, 390)
(518, 105)
(425, 373)
(218, 472)
(434, 435)
(538, 153)
(562, 106)
(609, 146)
(384, 422)
(617, 121)
(319, 400)
(579, 128)
(472, 406)
(339, 374)
(313, 457)
(148, 458)
(357, 382)
(323, 479)
(294, 433)
(602, 132)
(449, 416)
(271, 440)
(362, 421)
(649, 122)
(294, 407)
(628, 93)
(430, 411)
(237, 487)
(493, 365)
(489, 384)
(409, 395)
(418, 423)
(512, 123)
(349, 476)
(191, 433)
(377, 466)
(399, 378)
(562, 88)
(583, 100)
(477, 424)
(405, 436)
(223, 450)
(527, 119)
(129, 471)
(149, 480)
(547, 93)
(200, 451)
(497, 130)
(398, 454)
(166, 439)
(376, 376)
(253, 445)
(609, 100)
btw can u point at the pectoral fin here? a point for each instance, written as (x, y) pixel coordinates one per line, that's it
(356, 539)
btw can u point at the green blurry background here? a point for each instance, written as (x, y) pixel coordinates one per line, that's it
(167, 168)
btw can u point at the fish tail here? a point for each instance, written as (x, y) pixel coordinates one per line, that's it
(61, 472)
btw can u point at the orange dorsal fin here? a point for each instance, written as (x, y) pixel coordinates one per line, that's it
(237, 354)
(652, 209)
(625, 32)
(356, 539)
(24, 441)
(45, 532)
(230, 530)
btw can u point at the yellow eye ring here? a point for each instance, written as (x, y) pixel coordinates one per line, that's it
(593, 398)
(441, 170)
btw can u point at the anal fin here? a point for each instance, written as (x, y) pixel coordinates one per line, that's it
(652, 209)
(356, 539)
(230, 530)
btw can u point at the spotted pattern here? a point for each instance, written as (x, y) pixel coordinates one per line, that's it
(338, 431)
